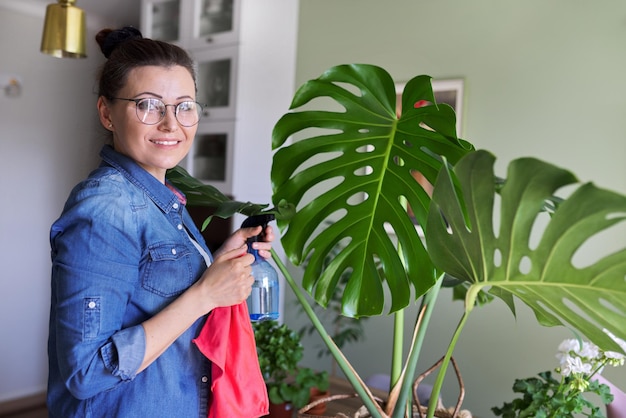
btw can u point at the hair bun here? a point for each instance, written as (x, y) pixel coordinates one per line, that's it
(109, 39)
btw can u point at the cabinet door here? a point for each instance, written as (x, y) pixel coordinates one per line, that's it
(210, 157)
(213, 22)
(216, 72)
(160, 19)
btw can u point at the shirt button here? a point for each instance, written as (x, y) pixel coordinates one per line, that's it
(175, 205)
(91, 304)
(205, 379)
(174, 251)
(180, 226)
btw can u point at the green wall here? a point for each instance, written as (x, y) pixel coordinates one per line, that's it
(542, 78)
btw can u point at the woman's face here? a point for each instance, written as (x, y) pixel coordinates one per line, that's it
(157, 147)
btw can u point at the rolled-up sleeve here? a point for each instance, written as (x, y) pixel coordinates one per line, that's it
(125, 353)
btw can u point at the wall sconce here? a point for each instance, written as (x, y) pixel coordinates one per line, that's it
(10, 84)
(64, 31)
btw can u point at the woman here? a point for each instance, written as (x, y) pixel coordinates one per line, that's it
(130, 283)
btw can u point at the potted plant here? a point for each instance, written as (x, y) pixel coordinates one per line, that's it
(563, 395)
(366, 156)
(288, 384)
(318, 385)
(366, 150)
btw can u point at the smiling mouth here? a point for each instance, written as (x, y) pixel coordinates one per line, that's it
(174, 142)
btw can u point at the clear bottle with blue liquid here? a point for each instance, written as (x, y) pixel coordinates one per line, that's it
(263, 301)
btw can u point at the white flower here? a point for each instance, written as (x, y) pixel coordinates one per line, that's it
(583, 349)
(578, 357)
(569, 345)
(590, 351)
(574, 365)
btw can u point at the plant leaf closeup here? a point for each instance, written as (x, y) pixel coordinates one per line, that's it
(201, 194)
(542, 274)
(358, 170)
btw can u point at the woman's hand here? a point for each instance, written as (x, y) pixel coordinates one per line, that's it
(239, 238)
(228, 280)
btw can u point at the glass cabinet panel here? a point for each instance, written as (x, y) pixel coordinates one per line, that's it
(215, 22)
(215, 16)
(214, 77)
(216, 71)
(161, 19)
(209, 159)
(193, 24)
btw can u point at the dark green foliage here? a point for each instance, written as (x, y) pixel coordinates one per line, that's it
(279, 350)
(200, 194)
(370, 155)
(463, 241)
(545, 396)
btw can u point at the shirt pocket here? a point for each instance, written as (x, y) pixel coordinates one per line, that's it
(168, 269)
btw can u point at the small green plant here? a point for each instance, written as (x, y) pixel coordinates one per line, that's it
(279, 350)
(309, 378)
(547, 396)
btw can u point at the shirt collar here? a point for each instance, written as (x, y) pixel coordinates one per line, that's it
(165, 198)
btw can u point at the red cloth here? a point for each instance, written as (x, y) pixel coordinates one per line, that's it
(238, 389)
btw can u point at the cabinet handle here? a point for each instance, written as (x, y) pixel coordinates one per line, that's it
(209, 40)
(205, 113)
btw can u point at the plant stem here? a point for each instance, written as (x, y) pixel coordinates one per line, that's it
(396, 353)
(421, 326)
(358, 385)
(397, 359)
(434, 395)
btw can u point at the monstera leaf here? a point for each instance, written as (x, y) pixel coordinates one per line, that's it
(201, 194)
(519, 257)
(356, 168)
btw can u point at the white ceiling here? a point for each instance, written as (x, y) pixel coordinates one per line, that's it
(100, 13)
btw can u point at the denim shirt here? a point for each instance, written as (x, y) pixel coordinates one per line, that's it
(120, 253)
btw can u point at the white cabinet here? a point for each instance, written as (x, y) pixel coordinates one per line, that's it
(209, 31)
(210, 159)
(161, 19)
(191, 23)
(212, 22)
(216, 77)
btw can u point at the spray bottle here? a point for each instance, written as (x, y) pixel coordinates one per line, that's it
(263, 301)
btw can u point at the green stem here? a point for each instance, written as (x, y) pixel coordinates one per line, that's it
(397, 359)
(434, 396)
(428, 305)
(396, 353)
(597, 370)
(349, 372)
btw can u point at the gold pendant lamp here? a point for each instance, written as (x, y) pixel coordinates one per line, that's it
(64, 31)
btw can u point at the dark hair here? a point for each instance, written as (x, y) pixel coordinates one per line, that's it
(126, 49)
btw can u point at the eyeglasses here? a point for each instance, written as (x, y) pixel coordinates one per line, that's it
(152, 111)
